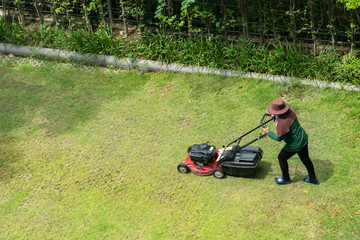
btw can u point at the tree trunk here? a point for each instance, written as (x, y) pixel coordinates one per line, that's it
(168, 4)
(86, 13)
(68, 16)
(111, 17)
(331, 13)
(224, 12)
(163, 26)
(169, 14)
(21, 12)
(244, 17)
(138, 17)
(357, 14)
(353, 31)
(123, 14)
(273, 7)
(293, 23)
(53, 11)
(355, 26)
(38, 12)
(189, 19)
(312, 25)
(101, 8)
(261, 21)
(208, 19)
(6, 11)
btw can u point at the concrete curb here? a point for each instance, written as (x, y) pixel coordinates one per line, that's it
(149, 65)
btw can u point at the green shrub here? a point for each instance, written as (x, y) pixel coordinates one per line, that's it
(103, 40)
(12, 32)
(212, 52)
(3, 31)
(348, 70)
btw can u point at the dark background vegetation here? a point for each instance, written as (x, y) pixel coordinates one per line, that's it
(312, 21)
(314, 39)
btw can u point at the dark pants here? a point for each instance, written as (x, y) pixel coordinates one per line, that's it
(305, 159)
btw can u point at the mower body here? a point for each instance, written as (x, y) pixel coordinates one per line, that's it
(235, 160)
(243, 164)
(203, 169)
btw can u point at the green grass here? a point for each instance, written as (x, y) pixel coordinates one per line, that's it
(92, 154)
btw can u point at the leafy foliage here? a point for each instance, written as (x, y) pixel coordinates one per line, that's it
(348, 70)
(212, 52)
(351, 4)
(310, 21)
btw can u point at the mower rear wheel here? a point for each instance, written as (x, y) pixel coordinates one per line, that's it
(182, 168)
(218, 173)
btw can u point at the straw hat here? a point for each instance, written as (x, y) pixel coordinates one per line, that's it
(278, 107)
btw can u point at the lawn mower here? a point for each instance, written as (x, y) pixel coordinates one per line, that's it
(233, 159)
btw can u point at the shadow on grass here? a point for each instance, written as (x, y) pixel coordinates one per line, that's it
(262, 170)
(8, 159)
(48, 102)
(324, 170)
(58, 107)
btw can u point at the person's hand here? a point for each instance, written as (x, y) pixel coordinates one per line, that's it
(266, 130)
(272, 116)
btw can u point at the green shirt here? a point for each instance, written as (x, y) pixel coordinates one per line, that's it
(295, 139)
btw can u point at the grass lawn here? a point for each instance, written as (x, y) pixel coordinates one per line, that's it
(91, 153)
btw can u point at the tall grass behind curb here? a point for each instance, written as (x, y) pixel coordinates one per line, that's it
(212, 52)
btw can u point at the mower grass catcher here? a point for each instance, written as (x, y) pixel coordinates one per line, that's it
(241, 161)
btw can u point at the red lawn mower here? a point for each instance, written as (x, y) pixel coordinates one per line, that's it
(233, 159)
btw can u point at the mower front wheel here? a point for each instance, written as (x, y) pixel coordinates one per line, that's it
(218, 173)
(182, 168)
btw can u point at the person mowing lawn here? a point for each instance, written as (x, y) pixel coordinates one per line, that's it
(296, 140)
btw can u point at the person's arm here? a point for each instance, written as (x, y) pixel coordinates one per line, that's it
(271, 134)
(274, 136)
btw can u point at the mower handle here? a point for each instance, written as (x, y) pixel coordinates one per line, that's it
(262, 123)
(239, 148)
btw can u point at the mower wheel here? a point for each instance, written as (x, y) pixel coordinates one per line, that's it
(218, 173)
(182, 168)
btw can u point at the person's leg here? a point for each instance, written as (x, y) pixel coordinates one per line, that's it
(305, 159)
(283, 157)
